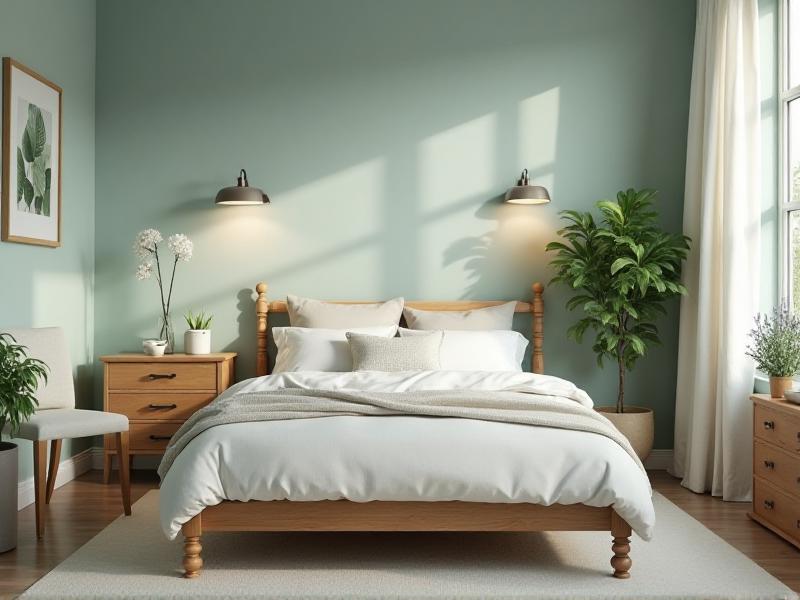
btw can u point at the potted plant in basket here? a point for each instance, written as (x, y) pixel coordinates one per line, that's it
(623, 270)
(197, 339)
(775, 346)
(20, 376)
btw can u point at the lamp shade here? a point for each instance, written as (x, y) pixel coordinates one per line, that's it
(241, 194)
(525, 193)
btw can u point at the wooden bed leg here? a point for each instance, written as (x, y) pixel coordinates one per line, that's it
(621, 532)
(192, 562)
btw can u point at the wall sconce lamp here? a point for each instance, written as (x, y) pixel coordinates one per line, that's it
(241, 194)
(524, 193)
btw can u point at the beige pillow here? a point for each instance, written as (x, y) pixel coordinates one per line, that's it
(374, 353)
(305, 312)
(489, 318)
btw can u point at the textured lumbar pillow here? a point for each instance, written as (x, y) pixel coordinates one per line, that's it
(305, 312)
(374, 353)
(491, 317)
(478, 350)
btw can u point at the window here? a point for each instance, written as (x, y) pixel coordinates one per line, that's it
(789, 153)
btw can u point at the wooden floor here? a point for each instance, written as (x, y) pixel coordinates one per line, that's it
(81, 508)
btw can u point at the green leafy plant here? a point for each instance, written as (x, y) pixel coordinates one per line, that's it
(623, 270)
(33, 165)
(775, 343)
(198, 321)
(20, 376)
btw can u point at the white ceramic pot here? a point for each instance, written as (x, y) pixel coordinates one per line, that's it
(8, 496)
(636, 424)
(197, 341)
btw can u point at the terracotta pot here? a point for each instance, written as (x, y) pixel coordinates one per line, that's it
(8, 496)
(636, 424)
(778, 385)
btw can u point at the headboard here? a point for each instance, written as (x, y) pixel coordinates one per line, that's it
(536, 308)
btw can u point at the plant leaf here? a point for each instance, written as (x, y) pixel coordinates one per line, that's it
(20, 174)
(27, 191)
(27, 146)
(36, 130)
(38, 175)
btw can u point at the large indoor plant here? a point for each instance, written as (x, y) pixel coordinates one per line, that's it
(775, 347)
(20, 376)
(622, 269)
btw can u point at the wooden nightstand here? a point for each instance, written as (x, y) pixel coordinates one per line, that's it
(158, 394)
(776, 466)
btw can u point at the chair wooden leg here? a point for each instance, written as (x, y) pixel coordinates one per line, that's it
(621, 532)
(192, 561)
(52, 472)
(107, 468)
(39, 484)
(124, 470)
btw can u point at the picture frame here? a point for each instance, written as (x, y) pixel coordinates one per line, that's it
(31, 199)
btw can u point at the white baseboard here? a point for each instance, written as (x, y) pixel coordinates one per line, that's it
(659, 460)
(149, 463)
(68, 469)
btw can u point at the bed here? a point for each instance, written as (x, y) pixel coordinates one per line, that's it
(332, 474)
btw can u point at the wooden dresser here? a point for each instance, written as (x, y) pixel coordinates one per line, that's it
(776, 466)
(158, 394)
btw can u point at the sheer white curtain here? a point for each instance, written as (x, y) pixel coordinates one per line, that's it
(713, 427)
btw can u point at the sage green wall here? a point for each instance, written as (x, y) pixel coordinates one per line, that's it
(53, 287)
(385, 133)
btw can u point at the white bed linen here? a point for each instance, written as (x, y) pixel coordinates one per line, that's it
(405, 458)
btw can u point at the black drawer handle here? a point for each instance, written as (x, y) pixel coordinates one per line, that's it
(166, 406)
(154, 376)
(158, 438)
(767, 424)
(767, 463)
(767, 503)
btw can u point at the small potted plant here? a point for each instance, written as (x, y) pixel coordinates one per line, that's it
(20, 376)
(622, 270)
(197, 339)
(775, 346)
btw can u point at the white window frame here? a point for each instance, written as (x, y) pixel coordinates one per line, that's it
(785, 95)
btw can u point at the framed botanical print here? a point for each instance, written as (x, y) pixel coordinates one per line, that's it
(31, 184)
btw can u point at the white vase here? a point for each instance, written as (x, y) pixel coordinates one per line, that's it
(197, 341)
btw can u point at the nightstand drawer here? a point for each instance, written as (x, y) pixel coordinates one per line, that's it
(152, 436)
(162, 376)
(776, 507)
(777, 467)
(777, 428)
(158, 406)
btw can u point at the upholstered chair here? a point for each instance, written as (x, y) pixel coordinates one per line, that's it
(56, 418)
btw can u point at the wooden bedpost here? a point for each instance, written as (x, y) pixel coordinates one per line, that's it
(192, 562)
(621, 532)
(262, 309)
(537, 356)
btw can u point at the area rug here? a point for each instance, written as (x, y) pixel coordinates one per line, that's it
(132, 559)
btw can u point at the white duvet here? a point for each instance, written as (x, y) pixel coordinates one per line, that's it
(405, 458)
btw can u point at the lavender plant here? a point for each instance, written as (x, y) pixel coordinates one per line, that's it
(775, 343)
(146, 248)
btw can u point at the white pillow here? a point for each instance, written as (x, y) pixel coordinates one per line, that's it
(479, 350)
(301, 349)
(489, 318)
(305, 312)
(410, 353)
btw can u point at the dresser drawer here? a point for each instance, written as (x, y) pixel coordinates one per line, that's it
(162, 376)
(151, 436)
(780, 509)
(156, 406)
(778, 468)
(777, 428)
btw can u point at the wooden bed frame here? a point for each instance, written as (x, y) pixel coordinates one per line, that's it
(344, 515)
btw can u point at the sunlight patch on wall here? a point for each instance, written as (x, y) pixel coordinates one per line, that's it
(458, 164)
(538, 136)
